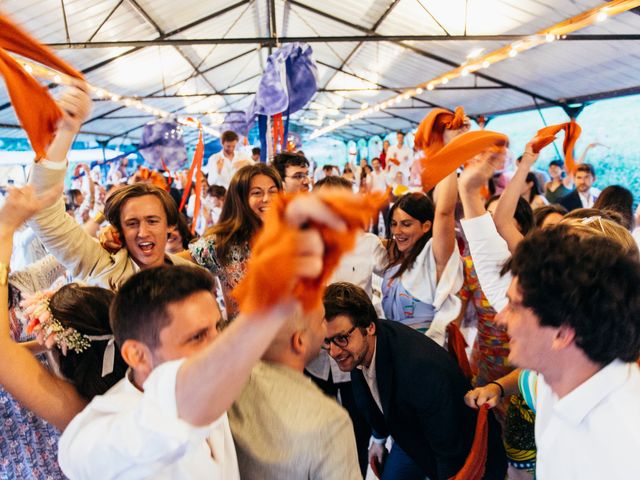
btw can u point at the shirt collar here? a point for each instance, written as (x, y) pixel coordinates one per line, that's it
(575, 406)
(370, 371)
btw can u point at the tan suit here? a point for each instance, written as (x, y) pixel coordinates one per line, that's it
(65, 239)
(284, 427)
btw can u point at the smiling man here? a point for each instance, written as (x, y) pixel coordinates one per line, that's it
(406, 386)
(574, 316)
(141, 214)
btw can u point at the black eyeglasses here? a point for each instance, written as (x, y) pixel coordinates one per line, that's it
(339, 340)
(298, 176)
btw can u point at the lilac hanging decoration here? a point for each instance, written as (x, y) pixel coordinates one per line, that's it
(236, 122)
(162, 141)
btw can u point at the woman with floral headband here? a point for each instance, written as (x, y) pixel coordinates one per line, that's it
(74, 319)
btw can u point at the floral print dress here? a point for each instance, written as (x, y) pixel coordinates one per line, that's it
(229, 273)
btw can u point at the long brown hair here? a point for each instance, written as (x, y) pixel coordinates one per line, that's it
(420, 207)
(238, 223)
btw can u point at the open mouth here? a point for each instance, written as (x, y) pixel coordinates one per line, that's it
(146, 247)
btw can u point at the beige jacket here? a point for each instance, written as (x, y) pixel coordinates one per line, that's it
(65, 239)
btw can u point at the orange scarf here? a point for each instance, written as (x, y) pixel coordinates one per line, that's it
(457, 152)
(474, 466)
(430, 134)
(270, 272)
(456, 344)
(546, 135)
(36, 110)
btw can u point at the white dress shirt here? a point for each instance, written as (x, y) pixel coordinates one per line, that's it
(229, 167)
(594, 431)
(489, 251)
(128, 434)
(369, 374)
(587, 199)
(378, 181)
(405, 156)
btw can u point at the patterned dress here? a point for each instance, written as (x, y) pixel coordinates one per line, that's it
(229, 272)
(489, 363)
(28, 444)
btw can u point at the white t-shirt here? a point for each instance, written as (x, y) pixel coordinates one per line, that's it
(128, 434)
(405, 156)
(229, 167)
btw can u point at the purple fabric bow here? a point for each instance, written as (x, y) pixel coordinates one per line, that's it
(289, 81)
(162, 140)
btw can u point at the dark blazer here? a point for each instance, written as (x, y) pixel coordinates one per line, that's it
(571, 201)
(422, 394)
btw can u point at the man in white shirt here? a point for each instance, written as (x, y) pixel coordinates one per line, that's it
(226, 162)
(378, 181)
(167, 418)
(574, 316)
(399, 159)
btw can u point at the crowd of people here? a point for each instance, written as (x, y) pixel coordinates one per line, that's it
(126, 352)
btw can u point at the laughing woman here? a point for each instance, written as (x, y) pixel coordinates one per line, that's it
(424, 272)
(224, 248)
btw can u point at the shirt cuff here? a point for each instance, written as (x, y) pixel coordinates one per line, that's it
(379, 441)
(54, 165)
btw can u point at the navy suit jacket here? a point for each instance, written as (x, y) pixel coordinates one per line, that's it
(571, 201)
(422, 394)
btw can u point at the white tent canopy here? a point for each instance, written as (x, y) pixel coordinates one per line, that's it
(205, 57)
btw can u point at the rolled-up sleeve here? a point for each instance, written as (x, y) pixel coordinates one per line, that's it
(139, 435)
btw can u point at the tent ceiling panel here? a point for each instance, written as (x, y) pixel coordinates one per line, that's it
(170, 15)
(362, 12)
(370, 70)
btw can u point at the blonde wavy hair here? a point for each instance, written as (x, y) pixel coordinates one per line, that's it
(602, 227)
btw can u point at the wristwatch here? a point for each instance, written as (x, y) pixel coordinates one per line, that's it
(4, 274)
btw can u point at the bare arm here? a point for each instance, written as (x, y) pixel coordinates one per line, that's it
(444, 235)
(48, 396)
(491, 393)
(503, 216)
(244, 342)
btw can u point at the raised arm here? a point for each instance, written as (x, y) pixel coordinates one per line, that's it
(506, 208)
(48, 396)
(63, 237)
(488, 249)
(444, 222)
(242, 344)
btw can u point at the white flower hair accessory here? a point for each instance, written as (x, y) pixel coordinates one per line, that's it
(50, 332)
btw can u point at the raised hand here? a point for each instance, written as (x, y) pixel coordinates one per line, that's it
(22, 203)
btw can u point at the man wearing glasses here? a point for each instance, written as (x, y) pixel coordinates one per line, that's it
(294, 170)
(407, 387)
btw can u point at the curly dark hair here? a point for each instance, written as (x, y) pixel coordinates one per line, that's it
(585, 282)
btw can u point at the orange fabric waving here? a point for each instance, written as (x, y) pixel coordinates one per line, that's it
(24, 91)
(456, 345)
(458, 151)
(572, 132)
(270, 270)
(474, 466)
(196, 164)
(429, 136)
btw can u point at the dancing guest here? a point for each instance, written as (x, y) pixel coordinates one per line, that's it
(224, 249)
